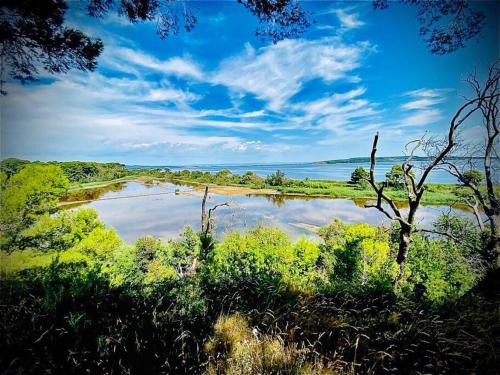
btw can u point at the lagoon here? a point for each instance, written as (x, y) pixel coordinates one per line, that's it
(163, 210)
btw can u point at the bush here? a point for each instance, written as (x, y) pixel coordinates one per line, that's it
(441, 269)
(30, 193)
(264, 257)
(61, 231)
(356, 255)
(395, 177)
(276, 179)
(359, 175)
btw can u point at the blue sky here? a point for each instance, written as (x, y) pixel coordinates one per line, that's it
(219, 94)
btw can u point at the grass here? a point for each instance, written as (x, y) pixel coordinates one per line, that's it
(436, 194)
(97, 184)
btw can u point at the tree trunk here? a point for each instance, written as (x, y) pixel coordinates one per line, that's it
(405, 233)
(204, 221)
(494, 241)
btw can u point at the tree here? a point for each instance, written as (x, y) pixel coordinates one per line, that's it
(11, 166)
(207, 225)
(446, 25)
(485, 100)
(472, 177)
(395, 177)
(276, 179)
(30, 193)
(488, 201)
(34, 34)
(358, 175)
(60, 231)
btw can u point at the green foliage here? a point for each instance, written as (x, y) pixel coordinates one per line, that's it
(30, 193)
(473, 177)
(146, 249)
(357, 255)
(3, 180)
(75, 297)
(463, 231)
(11, 166)
(395, 177)
(276, 179)
(83, 171)
(264, 257)
(359, 175)
(442, 268)
(100, 243)
(222, 177)
(250, 178)
(434, 193)
(183, 252)
(60, 231)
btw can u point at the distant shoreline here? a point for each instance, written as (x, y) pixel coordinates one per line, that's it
(398, 159)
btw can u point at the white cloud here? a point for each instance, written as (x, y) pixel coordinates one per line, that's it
(420, 118)
(121, 58)
(421, 107)
(339, 113)
(348, 20)
(276, 73)
(422, 103)
(169, 94)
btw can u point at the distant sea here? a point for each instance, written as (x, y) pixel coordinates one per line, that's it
(320, 171)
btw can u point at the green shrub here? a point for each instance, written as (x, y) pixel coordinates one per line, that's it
(30, 193)
(264, 257)
(276, 179)
(441, 268)
(359, 175)
(395, 177)
(60, 231)
(357, 255)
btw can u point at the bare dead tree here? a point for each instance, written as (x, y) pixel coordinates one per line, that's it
(486, 96)
(488, 200)
(207, 221)
(207, 229)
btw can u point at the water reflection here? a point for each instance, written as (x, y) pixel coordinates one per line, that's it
(135, 210)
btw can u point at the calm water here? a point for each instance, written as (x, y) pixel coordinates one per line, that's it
(156, 210)
(338, 172)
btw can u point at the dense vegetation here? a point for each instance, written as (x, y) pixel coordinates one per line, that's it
(82, 172)
(76, 299)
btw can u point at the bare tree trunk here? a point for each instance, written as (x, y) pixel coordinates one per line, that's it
(204, 223)
(405, 234)
(494, 240)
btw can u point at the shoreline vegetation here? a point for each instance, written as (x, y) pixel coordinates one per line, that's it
(437, 194)
(85, 176)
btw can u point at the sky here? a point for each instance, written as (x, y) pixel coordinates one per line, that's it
(219, 94)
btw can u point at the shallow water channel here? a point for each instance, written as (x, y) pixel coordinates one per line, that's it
(163, 210)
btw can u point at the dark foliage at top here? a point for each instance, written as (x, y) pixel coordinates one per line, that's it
(446, 25)
(279, 19)
(33, 35)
